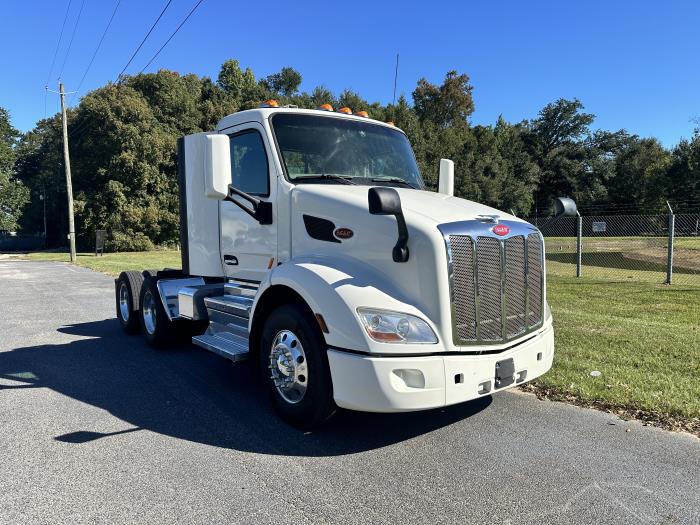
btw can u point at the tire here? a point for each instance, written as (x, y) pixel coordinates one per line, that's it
(158, 330)
(127, 288)
(305, 400)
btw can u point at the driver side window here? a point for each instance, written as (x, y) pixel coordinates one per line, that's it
(249, 168)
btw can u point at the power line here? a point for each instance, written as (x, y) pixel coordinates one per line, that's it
(70, 44)
(171, 36)
(144, 39)
(55, 54)
(99, 44)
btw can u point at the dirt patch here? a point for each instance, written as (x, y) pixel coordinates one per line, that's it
(656, 419)
(683, 259)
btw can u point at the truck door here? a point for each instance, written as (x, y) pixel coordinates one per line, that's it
(248, 248)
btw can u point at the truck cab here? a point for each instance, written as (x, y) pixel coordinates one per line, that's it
(312, 248)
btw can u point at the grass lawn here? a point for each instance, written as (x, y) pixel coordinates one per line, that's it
(644, 338)
(114, 263)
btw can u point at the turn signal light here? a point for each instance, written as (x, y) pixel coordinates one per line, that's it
(362, 114)
(270, 104)
(326, 107)
(345, 110)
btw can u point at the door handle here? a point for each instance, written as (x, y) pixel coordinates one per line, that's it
(231, 260)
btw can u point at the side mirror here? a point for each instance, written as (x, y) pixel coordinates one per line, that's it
(446, 182)
(217, 166)
(386, 201)
(564, 206)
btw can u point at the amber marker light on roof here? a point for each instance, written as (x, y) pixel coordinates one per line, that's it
(326, 107)
(345, 110)
(362, 114)
(270, 104)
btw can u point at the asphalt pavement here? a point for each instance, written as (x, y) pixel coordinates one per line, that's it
(96, 427)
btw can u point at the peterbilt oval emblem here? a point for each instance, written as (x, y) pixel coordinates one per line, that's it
(343, 233)
(501, 229)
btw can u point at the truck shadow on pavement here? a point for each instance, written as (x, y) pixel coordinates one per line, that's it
(190, 394)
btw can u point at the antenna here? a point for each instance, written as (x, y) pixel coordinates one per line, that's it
(396, 76)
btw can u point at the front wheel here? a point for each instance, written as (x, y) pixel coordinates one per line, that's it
(295, 367)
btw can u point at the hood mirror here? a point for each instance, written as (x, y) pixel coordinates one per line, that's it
(387, 201)
(564, 207)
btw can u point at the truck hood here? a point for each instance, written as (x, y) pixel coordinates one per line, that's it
(418, 204)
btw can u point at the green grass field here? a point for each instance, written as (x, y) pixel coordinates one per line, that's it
(114, 263)
(644, 338)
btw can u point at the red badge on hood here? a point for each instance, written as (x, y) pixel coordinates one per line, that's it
(343, 233)
(501, 229)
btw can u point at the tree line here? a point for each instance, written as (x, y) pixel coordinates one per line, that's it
(123, 153)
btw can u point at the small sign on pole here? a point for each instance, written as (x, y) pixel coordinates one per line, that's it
(100, 242)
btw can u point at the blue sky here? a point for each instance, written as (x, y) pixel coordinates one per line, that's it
(634, 64)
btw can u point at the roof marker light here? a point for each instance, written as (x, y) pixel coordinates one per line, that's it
(362, 114)
(325, 107)
(270, 104)
(345, 110)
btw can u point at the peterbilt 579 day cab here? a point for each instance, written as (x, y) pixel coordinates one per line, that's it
(311, 248)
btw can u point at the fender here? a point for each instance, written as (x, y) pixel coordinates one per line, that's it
(335, 288)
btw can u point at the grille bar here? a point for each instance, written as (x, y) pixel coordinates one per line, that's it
(496, 283)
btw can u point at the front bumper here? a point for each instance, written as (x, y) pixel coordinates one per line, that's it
(399, 384)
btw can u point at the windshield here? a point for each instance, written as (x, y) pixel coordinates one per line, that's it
(344, 151)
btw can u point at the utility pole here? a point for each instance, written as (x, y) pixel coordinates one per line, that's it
(43, 200)
(396, 76)
(69, 184)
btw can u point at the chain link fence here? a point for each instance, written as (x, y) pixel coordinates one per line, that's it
(651, 248)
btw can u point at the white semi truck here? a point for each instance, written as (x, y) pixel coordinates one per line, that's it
(311, 248)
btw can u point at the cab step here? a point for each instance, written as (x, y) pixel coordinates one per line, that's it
(226, 344)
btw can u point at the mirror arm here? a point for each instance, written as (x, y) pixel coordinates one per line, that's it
(400, 251)
(261, 211)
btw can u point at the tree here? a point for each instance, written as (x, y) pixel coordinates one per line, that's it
(241, 85)
(123, 141)
(447, 105)
(638, 179)
(13, 194)
(682, 180)
(560, 123)
(285, 83)
(353, 101)
(556, 142)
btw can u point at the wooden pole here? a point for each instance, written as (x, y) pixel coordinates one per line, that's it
(69, 184)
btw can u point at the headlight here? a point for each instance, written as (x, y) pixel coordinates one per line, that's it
(394, 327)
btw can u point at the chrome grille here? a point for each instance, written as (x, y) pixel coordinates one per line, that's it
(488, 256)
(465, 303)
(534, 278)
(516, 286)
(496, 283)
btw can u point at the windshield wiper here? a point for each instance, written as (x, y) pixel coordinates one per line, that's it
(326, 176)
(396, 180)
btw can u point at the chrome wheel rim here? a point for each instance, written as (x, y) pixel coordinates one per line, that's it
(124, 309)
(288, 368)
(149, 313)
